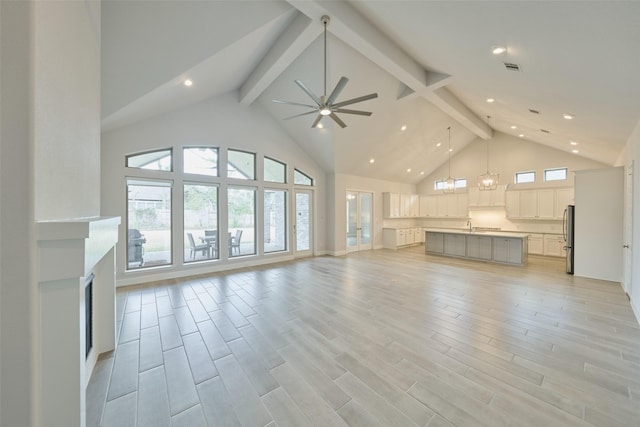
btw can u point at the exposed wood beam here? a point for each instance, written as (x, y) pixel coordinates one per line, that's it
(355, 30)
(291, 43)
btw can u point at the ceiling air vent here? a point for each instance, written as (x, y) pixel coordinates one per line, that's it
(531, 110)
(511, 66)
(544, 130)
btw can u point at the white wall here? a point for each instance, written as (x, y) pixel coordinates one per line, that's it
(342, 183)
(50, 169)
(221, 122)
(508, 155)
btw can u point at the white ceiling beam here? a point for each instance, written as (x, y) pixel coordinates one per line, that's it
(355, 30)
(291, 43)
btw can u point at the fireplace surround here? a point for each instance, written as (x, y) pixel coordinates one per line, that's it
(69, 253)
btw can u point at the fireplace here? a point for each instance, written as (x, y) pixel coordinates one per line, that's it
(76, 286)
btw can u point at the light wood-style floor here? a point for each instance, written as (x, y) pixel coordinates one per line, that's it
(376, 338)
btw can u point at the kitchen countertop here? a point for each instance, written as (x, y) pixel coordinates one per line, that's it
(477, 233)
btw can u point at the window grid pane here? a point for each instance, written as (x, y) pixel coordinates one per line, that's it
(275, 220)
(200, 222)
(154, 160)
(148, 225)
(242, 221)
(300, 178)
(274, 171)
(201, 161)
(524, 177)
(241, 165)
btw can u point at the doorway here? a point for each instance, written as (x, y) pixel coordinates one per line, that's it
(359, 224)
(303, 223)
(628, 231)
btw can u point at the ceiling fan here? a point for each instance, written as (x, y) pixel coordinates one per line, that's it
(327, 105)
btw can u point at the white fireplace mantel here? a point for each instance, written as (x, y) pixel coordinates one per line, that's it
(68, 252)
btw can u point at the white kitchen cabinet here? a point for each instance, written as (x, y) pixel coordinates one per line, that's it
(391, 205)
(528, 203)
(564, 197)
(479, 247)
(486, 198)
(442, 203)
(409, 236)
(508, 250)
(418, 235)
(455, 244)
(414, 210)
(512, 204)
(434, 243)
(554, 245)
(546, 204)
(405, 205)
(428, 206)
(536, 244)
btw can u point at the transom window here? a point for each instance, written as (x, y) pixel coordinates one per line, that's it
(441, 184)
(160, 160)
(557, 174)
(201, 160)
(274, 171)
(524, 177)
(300, 178)
(241, 165)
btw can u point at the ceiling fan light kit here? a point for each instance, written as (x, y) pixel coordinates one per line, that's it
(327, 105)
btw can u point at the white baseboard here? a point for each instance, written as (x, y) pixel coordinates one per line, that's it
(195, 270)
(635, 309)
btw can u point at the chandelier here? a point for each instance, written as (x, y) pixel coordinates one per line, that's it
(450, 183)
(488, 180)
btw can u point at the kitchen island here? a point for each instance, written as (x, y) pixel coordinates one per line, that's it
(491, 246)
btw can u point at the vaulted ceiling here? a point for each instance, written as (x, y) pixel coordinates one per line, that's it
(429, 61)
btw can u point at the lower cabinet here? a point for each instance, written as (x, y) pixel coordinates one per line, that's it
(536, 244)
(434, 243)
(479, 247)
(554, 245)
(507, 250)
(455, 244)
(393, 238)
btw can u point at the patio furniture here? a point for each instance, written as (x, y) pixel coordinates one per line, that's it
(235, 241)
(196, 248)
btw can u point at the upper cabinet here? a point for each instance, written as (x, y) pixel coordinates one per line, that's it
(478, 198)
(396, 205)
(545, 203)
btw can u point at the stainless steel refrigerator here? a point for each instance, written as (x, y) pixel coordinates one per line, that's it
(568, 228)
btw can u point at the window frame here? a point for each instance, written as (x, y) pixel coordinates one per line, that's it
(236, 150)
(142, 153)
(298, 171)
(286, 220)
(217, 226)
(566, 174)
(522, 173)
(271, 159)
(216, 148)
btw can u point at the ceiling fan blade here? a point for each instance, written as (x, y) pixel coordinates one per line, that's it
(358, 112)
(293, 103)
(308, 92)
(316, 121)
(337, 120)
(301, 114)
(336, 92)
(354, 100)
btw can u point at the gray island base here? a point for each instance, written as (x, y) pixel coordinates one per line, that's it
(490, 246)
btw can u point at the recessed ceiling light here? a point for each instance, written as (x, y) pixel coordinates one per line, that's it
(188, 83)
(575, 151)
(438, 144)
(490, 100)
(422, 173)
(573, 143)
(450, 150)
(498, 50)
(514, 127)
(372, 160)
(404, 127)
(409, 170)
(521, 135)
(319, 125)
(568, 116)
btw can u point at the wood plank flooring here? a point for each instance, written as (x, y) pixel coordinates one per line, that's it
(376, 338)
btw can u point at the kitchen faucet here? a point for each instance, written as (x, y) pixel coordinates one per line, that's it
(469, 224)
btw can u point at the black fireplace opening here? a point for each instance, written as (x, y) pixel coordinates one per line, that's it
(88, 308)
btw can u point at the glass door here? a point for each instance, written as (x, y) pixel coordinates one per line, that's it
(303, 223)
(359, 208)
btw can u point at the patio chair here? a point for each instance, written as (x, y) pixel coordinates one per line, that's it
(195, 248)
(235, 241)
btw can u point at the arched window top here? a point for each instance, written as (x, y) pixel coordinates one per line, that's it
(159, 160)
(200, 160)
(301, 178)
(274, 170)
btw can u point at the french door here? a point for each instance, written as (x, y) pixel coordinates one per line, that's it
(303, 223)
(359, 226)
(628, 232)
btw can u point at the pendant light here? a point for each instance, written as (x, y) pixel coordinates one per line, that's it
(488, 181)
(450, 183)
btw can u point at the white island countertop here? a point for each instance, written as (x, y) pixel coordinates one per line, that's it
(466, 232)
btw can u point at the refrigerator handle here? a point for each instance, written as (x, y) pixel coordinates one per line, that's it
(564, 225)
